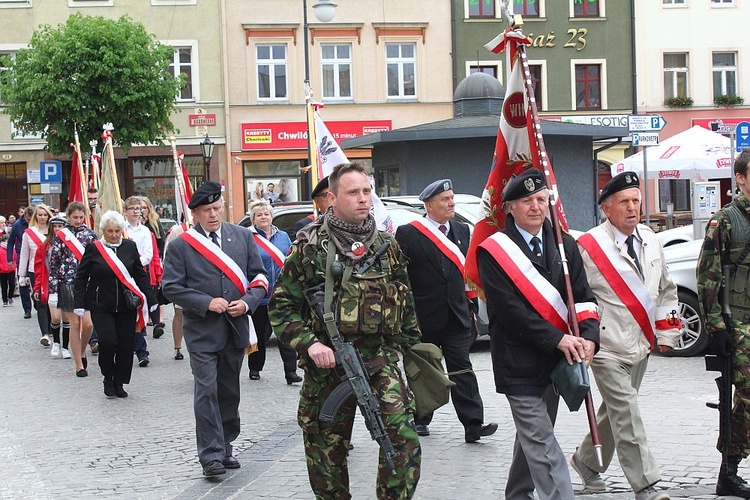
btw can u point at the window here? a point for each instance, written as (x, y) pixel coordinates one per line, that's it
(673, 3)
(588, 86)
(387, 182)
(182, 63)
(337, 70)
(722, 3)
(90, 3)
(488, 70)
(481, 8)
(271, 63)
(3, 67)
(153, 177)
(527, 8)
(675, 75)
(535, 70)
(401, 68)
(725, 73)
(676, 191)
(585, 8)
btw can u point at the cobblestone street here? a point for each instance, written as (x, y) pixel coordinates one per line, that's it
(61, 438)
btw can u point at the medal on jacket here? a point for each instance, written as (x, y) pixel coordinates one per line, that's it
(358, 248)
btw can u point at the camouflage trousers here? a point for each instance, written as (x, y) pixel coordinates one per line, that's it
(327, 443)
(741, 405)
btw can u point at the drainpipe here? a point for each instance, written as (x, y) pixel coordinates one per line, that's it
(633, 57)
(227, 124)
(596, 176)
(453, 44)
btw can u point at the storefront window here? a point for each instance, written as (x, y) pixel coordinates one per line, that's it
(154, 178)
(387, 182)
(276, 181)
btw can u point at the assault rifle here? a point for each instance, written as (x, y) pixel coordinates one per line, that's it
(723, 365)
(355, 380)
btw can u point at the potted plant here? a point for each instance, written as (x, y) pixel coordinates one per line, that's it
(678, 102)
(727, 100)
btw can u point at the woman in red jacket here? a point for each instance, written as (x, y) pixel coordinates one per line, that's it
(58, 318)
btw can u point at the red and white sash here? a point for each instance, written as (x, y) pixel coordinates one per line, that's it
(36, 237)
(122, 273)
(446, 247)
(269, 247)
(624, 281)
(540, 293)
(226, 265)
(70, 240)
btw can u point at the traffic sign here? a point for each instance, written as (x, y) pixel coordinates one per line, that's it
(646, 123)
(742, 137)
(645, 138)
(51, 171)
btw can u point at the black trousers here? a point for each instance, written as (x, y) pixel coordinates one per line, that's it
(8, 284)
(42, 310)
(116, 336)
(455, 342)
(257, 360)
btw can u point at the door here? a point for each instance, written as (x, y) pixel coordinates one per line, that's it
(13, 189)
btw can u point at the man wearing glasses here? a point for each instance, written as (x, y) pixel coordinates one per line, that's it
(142, 237)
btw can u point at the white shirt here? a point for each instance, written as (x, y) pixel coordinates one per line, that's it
(527, 237)
(142, 237)
(208, 234)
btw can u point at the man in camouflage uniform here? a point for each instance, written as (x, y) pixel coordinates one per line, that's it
(348, 229)
(727, 242)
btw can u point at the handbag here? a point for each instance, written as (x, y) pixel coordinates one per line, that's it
(132, 301)
(571, 382)
(427, 380)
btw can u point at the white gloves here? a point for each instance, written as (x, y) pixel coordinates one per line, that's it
(79, 312)
(52, 300)
(153, 308)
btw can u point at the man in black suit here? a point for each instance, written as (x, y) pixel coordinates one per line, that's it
(218, 289)
(436, 246)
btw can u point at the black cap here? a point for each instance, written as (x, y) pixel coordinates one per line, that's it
(207, 193)
(435, 188)
(523, 185)
(620, 182)
(320, 186)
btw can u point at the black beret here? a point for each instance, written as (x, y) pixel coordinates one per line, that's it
(207, 193)
(435, 188)
(320, 186)
(620, 182)
(524, 184)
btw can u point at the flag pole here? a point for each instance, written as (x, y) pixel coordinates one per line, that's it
(82, 174)
(556, 223)
(109, 151)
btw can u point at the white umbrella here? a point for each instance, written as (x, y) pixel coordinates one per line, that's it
(696, 153)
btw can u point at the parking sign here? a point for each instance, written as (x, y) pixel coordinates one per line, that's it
(51, 171)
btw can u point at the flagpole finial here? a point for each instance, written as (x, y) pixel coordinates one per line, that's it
(108, 126)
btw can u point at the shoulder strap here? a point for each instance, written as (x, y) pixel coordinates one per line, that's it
(738, 216)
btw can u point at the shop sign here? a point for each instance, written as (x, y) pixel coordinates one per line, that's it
(601, 120)
(722, 125)
(293, 135)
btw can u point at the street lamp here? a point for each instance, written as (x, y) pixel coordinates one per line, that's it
(207, 148)
(324, 12)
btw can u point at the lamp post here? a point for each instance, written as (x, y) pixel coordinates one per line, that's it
(207, 149)
(324, 12)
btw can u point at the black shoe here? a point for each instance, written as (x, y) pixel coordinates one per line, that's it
(109, 388)
(214, 468)
(26, 315)
(254, 375)
(120, 392)
(178, 354)
(85, 363)
(729, 483)
(158, 330)
(230, 462)
(292, 377)
(143, 362)
(82, 373)
(422, 430)
(475, 432)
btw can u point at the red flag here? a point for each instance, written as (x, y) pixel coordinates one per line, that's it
(75, 191)
(513, 153)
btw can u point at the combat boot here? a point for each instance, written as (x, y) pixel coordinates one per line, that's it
(729, 483)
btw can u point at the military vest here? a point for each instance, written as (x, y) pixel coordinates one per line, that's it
(739, 278)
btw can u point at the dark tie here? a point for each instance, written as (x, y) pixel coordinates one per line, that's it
(536, 247)
(631, 252)
(214, 238)
(443, 229)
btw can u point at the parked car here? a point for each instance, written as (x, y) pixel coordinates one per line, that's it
(682, 260)
(285, 215)
(467, 206)
(675, 236)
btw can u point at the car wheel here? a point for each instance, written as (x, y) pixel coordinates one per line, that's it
(694, 339)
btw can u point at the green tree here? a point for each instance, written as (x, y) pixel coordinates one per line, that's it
(87, 72)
